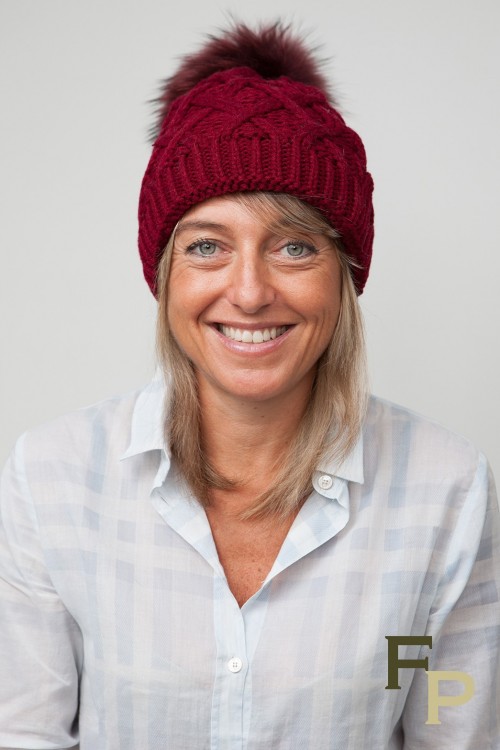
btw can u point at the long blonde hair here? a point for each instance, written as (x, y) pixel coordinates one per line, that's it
(336, 408)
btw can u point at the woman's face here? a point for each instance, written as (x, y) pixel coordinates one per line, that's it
(253, 309)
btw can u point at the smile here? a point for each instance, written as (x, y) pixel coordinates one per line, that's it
(252, 337)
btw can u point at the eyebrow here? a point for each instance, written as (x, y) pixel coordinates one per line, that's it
(185, 225)
(276, 227)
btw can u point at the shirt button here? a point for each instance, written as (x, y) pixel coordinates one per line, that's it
(325, 482)
(234, 664)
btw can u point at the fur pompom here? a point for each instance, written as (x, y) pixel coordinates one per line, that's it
(271, 50)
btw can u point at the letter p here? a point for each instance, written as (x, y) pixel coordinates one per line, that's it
(434, 699)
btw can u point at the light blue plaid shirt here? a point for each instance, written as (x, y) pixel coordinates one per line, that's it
(118, 629)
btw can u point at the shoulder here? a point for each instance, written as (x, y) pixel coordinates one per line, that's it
(408, 444)
(83, 435)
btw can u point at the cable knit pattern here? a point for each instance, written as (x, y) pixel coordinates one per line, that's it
(236, 131)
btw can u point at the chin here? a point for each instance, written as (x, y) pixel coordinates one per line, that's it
(258, 392)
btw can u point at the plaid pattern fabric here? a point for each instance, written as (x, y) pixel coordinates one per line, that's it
(118, 630)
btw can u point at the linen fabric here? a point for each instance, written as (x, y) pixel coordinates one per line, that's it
(119, 631)
(236, 131)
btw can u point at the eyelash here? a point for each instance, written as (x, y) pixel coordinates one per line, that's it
(202, 241)
(311, 249)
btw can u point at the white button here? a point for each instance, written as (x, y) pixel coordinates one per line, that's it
(325, 482)
(234, 664)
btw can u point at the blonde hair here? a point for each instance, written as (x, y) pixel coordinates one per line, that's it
(336, 408)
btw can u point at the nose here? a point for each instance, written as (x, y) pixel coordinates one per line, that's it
(250, 286)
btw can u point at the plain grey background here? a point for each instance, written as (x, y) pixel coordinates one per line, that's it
(417, 80)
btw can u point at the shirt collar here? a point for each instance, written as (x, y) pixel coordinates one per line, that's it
(147, 434)
(350, 469)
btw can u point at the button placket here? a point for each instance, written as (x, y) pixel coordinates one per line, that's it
(235, 664)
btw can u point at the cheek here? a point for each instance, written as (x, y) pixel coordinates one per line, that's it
(189, 294)
(178, 312)
(182, 295)
(332, 293)
(188, 284)
(321, 300)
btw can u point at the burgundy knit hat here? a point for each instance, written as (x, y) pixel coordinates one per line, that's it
(250, 112)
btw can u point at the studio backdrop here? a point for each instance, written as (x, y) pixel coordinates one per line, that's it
(418, 81)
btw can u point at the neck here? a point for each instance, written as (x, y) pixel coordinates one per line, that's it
(244, 438)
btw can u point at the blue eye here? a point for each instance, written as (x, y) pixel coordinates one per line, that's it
(203, 248)
(297, 250)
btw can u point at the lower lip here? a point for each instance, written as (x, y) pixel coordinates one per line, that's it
(252, 349)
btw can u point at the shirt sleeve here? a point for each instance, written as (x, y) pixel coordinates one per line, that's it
(465, 628)
(40, 643)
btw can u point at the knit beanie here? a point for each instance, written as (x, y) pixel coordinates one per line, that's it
(251, 112)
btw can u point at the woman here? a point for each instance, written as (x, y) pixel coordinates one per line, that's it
(219, 560)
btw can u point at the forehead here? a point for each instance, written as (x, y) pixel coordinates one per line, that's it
(227, 209)
(251, 212)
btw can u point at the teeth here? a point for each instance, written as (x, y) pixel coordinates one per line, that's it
(252, 337)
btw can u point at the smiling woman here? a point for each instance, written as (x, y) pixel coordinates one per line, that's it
(300, 364)
(248, 283)
(218, 560)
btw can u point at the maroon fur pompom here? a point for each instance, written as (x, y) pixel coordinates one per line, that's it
(272, 51)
